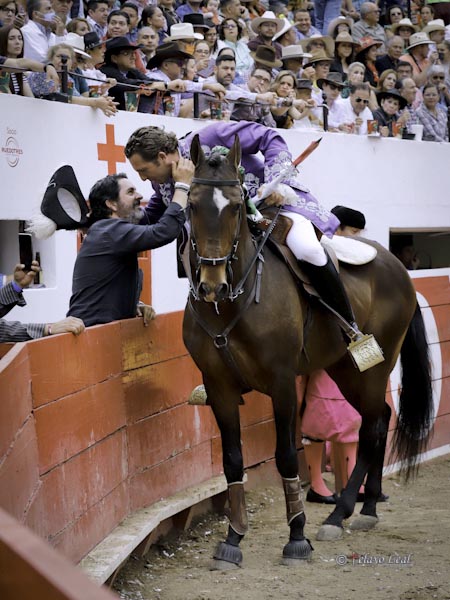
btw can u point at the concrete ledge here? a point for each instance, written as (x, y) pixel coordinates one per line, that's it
(107, 557)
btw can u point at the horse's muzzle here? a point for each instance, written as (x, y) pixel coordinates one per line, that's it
(215, 293)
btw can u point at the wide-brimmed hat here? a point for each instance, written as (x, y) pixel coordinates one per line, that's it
(435, 25)
(333, 79)
(183, 31)
(328, 42)
(91, 40)
(391, 94)
(405, 22)
(293, 51)
(349, 217)
(196, 20)
(418, 39)
(318, 56)
(286, 26)
(365, 43)
(116, 44)
(166, 51)
(303, 84)
(268, 16)
(77, 43)
(267, 56)
(333, 25)
(344, 38)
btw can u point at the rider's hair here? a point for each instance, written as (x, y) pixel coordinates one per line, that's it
(103, 190)
(148, 142)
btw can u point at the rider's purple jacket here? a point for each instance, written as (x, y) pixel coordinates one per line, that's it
(254, 138)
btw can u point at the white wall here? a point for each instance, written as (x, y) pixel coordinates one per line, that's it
(401, 184)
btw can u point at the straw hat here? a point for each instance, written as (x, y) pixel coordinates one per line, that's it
(294, 51)
(268, 17)
(365, 43)
(267, 56)
(318, 56)
(418, 39)
(435, 25)
(183, 31)
(286, 26)
(344, 38)
(403, 23)
(334, 24)
(329, 42)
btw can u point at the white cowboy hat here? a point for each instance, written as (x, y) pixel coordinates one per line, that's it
(333, 25)
(77, 43)
(329, 42)
(268, 16)
(435, 25)
(183, 31)
(286, 26)
(418, 39)
(294, 51)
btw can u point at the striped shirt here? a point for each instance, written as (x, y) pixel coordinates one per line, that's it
(15, 331)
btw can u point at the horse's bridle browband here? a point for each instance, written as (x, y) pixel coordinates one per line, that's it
(216, 182)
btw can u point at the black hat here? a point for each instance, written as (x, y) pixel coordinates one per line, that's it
(349, 217)
(63, 205)
(392, 94)
(165, 51)
(332, 78)
(197, 20)
(116, 44)
(91, 40)
(304, 84)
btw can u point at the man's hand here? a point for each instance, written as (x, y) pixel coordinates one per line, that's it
(147, 312)
(177, 85)
(216, 88)
(183, 171)
(268, 98)
(106, 104)
(68, 325)
(25, 278)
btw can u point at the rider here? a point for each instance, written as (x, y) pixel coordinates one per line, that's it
(152, 151)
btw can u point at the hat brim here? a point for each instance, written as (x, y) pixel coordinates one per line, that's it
(254, 25)
(424, 43)
(188, 38)
(385, 94)
(329, 43)
(281, 32)
(276, 64)
(80, 52)
(320, 83)
(375, 44)
(313, 61)
(156, 60)
(299, 56)
(109, 51)
(396, 27)
(339, 21)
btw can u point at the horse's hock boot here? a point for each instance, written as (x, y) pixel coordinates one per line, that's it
(294, 498)
(238, 510)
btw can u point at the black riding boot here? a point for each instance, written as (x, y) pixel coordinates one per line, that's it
(327, 282)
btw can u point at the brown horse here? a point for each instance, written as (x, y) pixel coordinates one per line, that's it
(247, 327)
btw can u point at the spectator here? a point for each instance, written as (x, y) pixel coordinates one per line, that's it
(393, 15)
(32, 65)
(147, 41)
(366, 53)
(168, 10)
(287, 36)
(351, 9)
(184, 35)
(387, 81)
(436, 76)
(204, 63)
(197, 20)
(292, 58)
(404, 29)
(343, 53)
(417, 56)
(402, 246)
(339, 25)
(9, 14)
(369, 25)
(431, 116)
(231, 9)
(189, 6)
(409, 91)
(265, 28)
(426, 14)
(304, 90)
(97, 16)
(404, 69)
(210, 10)
(211, 37)
(356, 74)
(77, 43)
(152, 16)
(62, 9)
(390, 102)
(265, 56)
(132, 11)
(445, 59)
(303, 25)
(356, 110)
(230, 35)
(11, 46)
(325, 12)
(317, 43)
(80, 26)
(259, 83)
(436, 31)
(288, 108)
(38, 32)
(11, 295)
(320, 63)
(118, 24)
(390, 60)
(95, 48)
(106, 277)
(331, 87)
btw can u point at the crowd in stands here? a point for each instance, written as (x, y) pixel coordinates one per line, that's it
(350, 66)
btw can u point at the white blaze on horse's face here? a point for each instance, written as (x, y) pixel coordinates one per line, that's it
(220, 200)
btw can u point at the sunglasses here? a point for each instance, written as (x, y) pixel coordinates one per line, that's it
(332, 86)
(8, 11)
(358, 100)
(438, 77)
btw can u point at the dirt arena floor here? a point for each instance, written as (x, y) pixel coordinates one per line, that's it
(407, 556)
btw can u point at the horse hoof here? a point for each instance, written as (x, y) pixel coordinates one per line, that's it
(363, 523)
(222, 565)
(295, 551)
(329, 533)
(227, 557)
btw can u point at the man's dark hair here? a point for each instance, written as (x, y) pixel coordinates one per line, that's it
(359, 86)
(148, 142)
(103, 190)
(32, 6)
(224, 3)
(224, 58)
(93, 4)
(403, 63)
(268, 70)
(118, 13)
(130, 5)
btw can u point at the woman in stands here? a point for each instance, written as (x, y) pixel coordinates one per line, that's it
(11, 46)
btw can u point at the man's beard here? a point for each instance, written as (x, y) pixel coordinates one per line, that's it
(135, 217)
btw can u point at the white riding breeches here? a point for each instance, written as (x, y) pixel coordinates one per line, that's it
(303, 242)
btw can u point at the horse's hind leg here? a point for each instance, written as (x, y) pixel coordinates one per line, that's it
(225, 405)
(285, 405)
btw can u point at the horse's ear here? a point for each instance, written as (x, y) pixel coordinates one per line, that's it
(197, 155)
(234, 155)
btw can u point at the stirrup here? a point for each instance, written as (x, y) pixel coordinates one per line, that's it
(365, 351)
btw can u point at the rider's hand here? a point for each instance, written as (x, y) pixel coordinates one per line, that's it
(274, 199)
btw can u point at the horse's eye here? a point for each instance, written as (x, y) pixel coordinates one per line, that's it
(235, 208)
(192, 207)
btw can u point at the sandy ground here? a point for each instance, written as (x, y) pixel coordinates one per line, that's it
(406, 557)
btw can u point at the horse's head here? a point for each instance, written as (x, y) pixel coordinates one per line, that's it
(216, 209)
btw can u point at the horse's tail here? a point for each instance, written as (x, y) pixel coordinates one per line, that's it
(415, 417)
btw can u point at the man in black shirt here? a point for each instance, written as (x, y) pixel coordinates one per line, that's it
(106, 279)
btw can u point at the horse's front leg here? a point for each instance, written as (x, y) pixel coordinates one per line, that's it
(225, 405)
(284, 399)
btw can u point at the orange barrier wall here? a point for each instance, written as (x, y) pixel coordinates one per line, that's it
(95, 427)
